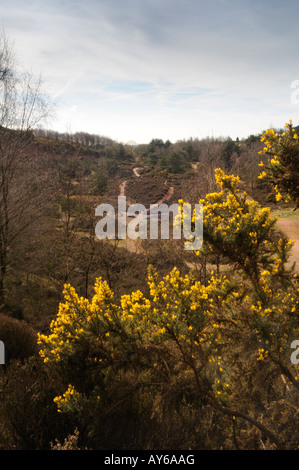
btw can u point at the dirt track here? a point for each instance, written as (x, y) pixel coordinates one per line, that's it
(291, 229)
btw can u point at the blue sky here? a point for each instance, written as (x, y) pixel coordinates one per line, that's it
(134, 70)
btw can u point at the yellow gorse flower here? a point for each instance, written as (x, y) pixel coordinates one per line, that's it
(183, 325)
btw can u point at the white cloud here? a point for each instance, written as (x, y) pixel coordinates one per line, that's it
(216, 67)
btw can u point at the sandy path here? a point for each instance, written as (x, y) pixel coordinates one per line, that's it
(136, 171)
(164, 198)
(122, 188)
(167, 196)
(291, 229)
(134, 245)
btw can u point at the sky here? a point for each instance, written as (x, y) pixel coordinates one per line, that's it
(134, 70)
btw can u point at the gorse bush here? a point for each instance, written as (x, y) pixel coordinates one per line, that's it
(281, 167)
(211, 362)
(19, 339)
(28, 419)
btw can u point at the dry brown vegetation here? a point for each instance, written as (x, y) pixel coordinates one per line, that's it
(60, 247)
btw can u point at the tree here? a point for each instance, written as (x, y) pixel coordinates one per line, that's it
(100, 180)
(176, 162)
(229, 149)
(22, 105)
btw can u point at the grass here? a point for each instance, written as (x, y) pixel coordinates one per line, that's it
(285, 213)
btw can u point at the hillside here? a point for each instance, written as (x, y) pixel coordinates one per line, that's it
(60, 183)
(76, 178)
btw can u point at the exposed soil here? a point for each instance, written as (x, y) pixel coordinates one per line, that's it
(291, 229)
(122, 187)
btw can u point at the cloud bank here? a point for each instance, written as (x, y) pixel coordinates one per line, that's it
(141, 69)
